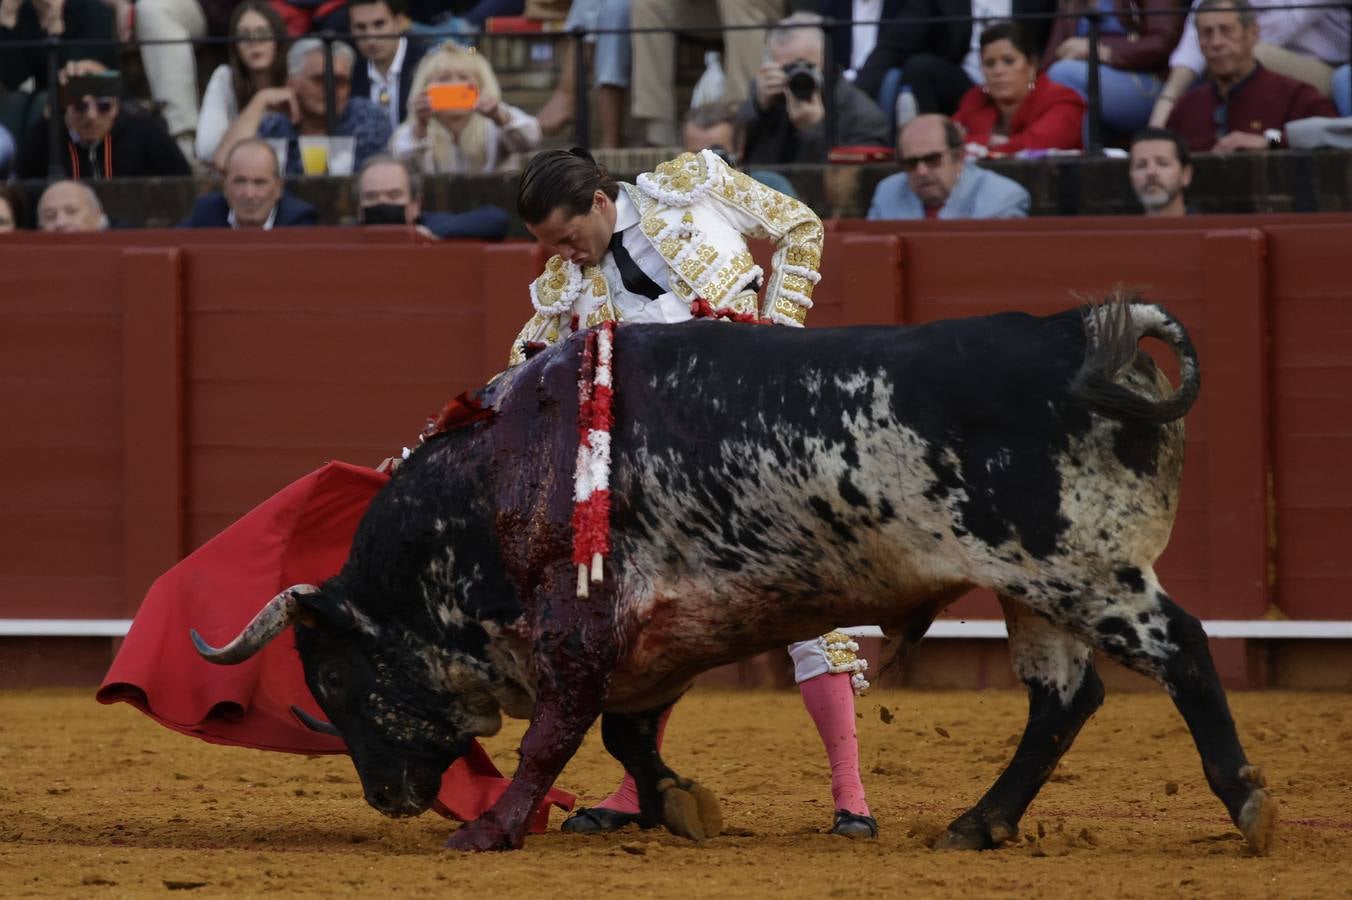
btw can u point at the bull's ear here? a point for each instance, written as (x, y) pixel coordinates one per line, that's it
(327, 611)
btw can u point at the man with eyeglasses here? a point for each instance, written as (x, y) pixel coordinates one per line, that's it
(300, 109)
(1243, 105)
(103, 141)
(937, 182)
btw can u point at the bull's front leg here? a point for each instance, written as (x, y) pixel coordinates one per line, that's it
(575, 646)
(555, 732)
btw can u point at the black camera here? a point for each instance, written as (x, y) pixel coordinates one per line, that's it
(100, 85)
(803, 78)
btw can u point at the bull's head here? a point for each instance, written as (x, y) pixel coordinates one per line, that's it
(391, 698)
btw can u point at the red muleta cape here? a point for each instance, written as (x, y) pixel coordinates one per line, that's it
(301, 535)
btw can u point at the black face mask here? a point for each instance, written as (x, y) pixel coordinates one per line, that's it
(382, 214)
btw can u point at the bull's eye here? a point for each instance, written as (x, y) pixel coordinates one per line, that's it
(332, 680)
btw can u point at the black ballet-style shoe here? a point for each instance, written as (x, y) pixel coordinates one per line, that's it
(597, 820)
(848, 824)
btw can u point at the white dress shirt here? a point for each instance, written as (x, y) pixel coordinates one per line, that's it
(863, 34)
(387, 85)
(267, 226)
(636, 307)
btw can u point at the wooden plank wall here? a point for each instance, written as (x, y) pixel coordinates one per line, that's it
(162, 386)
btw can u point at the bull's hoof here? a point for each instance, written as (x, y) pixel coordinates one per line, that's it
(689, 810)
(480, 836)
(1257, 819)
(852, 825)
(597, 820)
(974, 834)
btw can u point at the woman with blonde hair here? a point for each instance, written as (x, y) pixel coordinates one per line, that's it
(461, 141)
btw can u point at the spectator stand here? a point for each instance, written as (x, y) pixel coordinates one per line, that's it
(522, 51)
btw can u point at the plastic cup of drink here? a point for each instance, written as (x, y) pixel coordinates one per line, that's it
(342, 152)
(314, 154)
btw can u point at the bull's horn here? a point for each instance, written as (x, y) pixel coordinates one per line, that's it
(314, 724)
(270, 621)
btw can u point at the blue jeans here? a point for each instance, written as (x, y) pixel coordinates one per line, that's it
(487, 9)
(888, 92)
(614, 54)
(1126, 97)
(1342, 90)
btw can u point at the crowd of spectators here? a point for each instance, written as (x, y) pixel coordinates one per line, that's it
(944, 82)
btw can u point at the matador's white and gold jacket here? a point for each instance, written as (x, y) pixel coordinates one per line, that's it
(697, 211)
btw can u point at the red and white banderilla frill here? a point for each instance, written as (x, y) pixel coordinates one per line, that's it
(591, 480)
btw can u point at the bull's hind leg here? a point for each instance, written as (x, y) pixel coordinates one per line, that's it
(1141, 627)
(1063, 692)
(684, 807)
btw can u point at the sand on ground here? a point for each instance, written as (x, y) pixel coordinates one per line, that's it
(101, 801)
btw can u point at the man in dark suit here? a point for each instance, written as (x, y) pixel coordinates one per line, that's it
(253, 195)
(389, 56)
(938, 61)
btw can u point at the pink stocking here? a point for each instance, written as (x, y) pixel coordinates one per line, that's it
(625, 797)
(830, 702)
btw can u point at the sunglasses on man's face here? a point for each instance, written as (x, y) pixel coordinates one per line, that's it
(931, 161)
(103, 105)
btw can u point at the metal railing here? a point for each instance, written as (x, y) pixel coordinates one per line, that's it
(582, 130)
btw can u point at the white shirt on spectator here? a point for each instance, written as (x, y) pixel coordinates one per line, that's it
(267, 226)
(863, 34)
(388, 84)
(219, 108)
(521, 133)
(983, 9)
(1318, 33)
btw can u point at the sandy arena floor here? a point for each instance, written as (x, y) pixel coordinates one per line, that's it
(100, 801)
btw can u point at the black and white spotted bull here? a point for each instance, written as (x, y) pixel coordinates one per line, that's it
(769, 484)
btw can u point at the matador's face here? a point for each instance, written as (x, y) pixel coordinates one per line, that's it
(582, 239)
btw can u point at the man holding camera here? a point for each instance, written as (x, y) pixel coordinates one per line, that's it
(785, 117)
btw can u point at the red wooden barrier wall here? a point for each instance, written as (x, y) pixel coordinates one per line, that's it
(1310, 303)
(158, 384)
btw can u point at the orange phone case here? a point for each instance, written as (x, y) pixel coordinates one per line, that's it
(452, 96)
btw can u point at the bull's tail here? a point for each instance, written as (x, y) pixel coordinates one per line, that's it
(1113, 329)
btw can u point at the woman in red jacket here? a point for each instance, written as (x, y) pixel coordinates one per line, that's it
(1018, 109)
(1135, 40)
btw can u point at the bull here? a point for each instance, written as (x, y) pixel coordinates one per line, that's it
(767, 485)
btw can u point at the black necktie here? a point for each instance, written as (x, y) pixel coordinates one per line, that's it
(636, 281)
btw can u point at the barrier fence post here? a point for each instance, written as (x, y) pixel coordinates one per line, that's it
(330, 87)
(581, 96)
(829, 82)
(55, 121)
(1093, 145)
